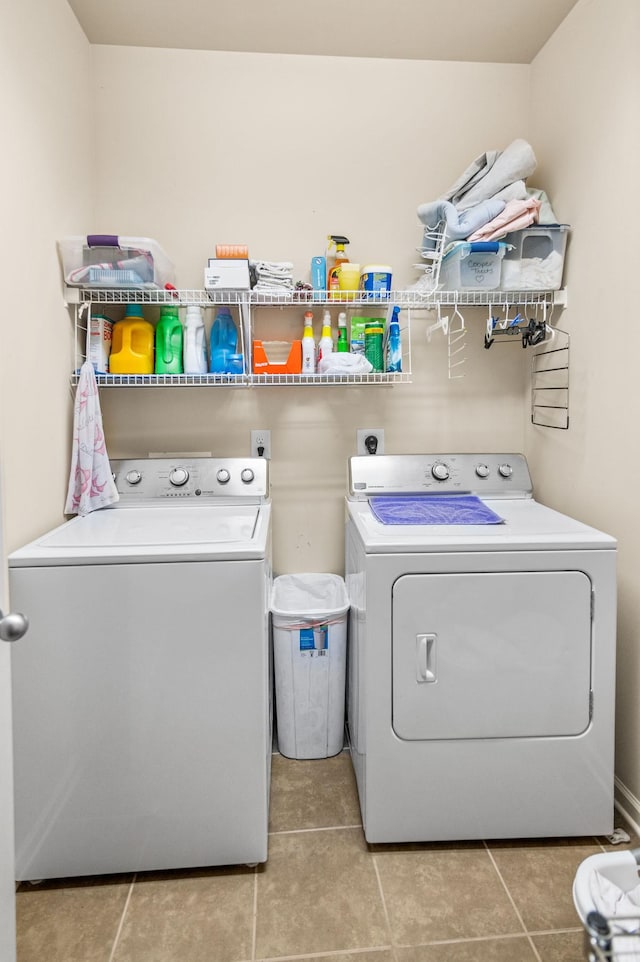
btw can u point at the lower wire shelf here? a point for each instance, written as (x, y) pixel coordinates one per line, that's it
(243, 380)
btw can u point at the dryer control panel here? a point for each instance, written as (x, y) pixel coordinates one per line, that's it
(487, 475)
(191, 479)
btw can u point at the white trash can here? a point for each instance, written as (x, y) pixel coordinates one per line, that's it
(309, 618)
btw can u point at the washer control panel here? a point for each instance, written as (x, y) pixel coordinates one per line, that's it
(487, 475)
(191, 479)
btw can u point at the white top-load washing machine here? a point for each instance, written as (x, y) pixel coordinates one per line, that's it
(141, 696)
(481, 653)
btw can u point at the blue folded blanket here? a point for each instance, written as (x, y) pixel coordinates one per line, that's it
(458, 226)
(433, 509)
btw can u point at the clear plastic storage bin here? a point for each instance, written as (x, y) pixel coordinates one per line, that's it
(309, 618)
(534, 259)
(109, 260)
(472, 266)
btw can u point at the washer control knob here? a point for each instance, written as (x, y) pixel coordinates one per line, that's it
(247, 475)
(505, 470)
(223, 476)
(440, 471)
(482, 470)
(178, 477)
(133, 477)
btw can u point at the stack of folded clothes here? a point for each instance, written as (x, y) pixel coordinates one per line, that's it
(487, 201)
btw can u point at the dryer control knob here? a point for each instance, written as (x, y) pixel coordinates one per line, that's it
(247, 475)
(223, 476)
(178, 477)
(133, 477)
(505, 470)
(482, 470)
(440, 471)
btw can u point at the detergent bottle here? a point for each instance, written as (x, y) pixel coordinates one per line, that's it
(132, 344)
(343, 340)
(333, 280)
(223, 342)
(169, 341)
(195, 348)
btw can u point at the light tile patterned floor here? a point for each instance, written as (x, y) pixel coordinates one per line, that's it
(323, 894)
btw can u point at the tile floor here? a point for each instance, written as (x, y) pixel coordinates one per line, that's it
(324, 894)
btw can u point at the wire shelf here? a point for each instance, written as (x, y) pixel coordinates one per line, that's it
(181, 298)
(244, 301)
(168, 380)
(311, 380)
(246, 379)
(401, 298)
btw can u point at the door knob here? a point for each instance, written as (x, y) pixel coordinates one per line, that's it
(12, 626)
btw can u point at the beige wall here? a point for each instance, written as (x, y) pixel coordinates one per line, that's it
(585, 95)
(45, 167)
(196, 148)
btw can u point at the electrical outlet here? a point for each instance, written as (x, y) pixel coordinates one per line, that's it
(370, 441)
(261, 444)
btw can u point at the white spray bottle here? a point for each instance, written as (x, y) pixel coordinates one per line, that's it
(308, 345)
(325, 347)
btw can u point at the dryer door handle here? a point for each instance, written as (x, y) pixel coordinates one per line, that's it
(426, 658)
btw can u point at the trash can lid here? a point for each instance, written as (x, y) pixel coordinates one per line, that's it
(309, 595)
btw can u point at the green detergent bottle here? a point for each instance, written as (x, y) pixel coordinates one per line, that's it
(169, 341)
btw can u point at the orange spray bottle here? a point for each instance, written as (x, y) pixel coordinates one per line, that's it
(333, 284)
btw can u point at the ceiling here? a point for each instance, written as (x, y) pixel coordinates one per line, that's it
(488, 31)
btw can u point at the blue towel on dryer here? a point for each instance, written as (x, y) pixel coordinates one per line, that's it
(433, 509)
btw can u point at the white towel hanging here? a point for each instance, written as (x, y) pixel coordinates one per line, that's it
(91, 483)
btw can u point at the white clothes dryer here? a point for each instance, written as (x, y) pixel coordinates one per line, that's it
(481, 653)
(141, 699)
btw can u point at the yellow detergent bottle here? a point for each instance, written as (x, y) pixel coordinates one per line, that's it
(132, 344)
(333, 281)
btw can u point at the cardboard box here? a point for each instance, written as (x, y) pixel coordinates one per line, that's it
(226, 274)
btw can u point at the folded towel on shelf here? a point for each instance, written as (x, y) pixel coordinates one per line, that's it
(515, 191)
(91, 484)
(490, 173)
(547, 215)
(344, 363)
(272, 276)
(516, 215)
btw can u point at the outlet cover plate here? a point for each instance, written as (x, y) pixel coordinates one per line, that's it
(363, 433)
(261, 439)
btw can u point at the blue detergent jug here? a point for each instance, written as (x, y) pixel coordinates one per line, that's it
(223, 342)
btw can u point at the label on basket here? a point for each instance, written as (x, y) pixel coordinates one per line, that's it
(315, 640)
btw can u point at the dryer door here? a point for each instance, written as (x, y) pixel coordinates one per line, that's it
(491, 655)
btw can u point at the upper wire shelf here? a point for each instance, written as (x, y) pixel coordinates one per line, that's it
(402, 298)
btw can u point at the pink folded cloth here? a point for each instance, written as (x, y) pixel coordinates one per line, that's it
(91, 483)
(516, 215)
